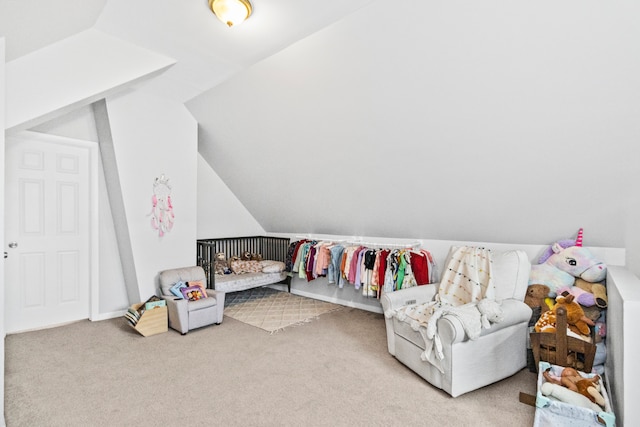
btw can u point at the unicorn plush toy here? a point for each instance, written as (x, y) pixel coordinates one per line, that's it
(563, 262)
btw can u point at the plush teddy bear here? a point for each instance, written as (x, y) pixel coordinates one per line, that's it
(577, 322)
(220, 264)
(535, 297)
(562, 263)
(570, 378)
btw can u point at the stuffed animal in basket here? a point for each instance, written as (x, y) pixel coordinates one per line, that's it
(535, 297)
(571, 379)
(563, 262)
(577, 322)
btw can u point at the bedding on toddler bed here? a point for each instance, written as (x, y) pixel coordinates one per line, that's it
(266, 266)
(250, 274)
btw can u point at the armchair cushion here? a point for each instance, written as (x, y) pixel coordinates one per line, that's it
(201, 303)
(168, 278)
(451, 326)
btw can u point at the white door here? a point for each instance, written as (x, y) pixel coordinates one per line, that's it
(47, 233)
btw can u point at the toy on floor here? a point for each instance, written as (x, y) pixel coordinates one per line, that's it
(572, 380)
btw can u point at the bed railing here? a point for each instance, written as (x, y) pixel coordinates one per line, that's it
(272, 248)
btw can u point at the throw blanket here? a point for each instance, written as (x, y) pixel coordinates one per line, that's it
(466, 291)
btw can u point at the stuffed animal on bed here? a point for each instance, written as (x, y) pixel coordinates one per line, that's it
(562, 262)
(220, 264)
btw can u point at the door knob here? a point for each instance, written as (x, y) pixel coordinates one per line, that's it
(13, 245)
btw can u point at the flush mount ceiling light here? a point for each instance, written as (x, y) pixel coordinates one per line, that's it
(231, 12)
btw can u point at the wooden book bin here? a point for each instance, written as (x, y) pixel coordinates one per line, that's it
(562, 350)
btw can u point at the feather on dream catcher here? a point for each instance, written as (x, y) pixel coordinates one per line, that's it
(162, 217)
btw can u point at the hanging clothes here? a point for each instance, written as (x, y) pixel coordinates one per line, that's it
(333, 273)
(373, 271)
(409, 279)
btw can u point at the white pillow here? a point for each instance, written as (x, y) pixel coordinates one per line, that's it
(269, 266)
(510, 271)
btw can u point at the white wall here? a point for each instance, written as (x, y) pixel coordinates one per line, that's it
(77, 124)
(220, 213)
(464, 120)
(621, 369)
(152, 137)
(79, 70)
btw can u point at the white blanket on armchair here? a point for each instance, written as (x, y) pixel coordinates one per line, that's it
(466, 291)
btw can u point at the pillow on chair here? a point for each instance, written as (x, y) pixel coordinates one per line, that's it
(192, 293)
(199, 284)
(175, 289)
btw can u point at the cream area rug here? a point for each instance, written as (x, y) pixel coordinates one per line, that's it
(273, 310)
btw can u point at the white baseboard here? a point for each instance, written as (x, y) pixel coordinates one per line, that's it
(107, 316)
(337, 301)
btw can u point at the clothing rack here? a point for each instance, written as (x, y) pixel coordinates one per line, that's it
(358, 241)
(412, 245)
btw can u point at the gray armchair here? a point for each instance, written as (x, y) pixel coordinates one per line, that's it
(185, 315)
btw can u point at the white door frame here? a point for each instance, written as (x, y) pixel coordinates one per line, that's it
(94, 291)
(2, 301)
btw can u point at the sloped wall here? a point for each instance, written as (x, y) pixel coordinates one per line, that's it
(485, 121)
(220, 213)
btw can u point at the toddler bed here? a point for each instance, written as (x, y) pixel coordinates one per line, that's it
(250, 262)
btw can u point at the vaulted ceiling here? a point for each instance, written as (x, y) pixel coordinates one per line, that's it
(207, 52)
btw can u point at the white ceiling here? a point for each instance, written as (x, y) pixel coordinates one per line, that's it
(207, 52)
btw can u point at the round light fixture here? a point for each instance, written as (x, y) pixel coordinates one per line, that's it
(231, 12)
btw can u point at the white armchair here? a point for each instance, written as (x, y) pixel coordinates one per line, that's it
(186, 315)
(499, 352)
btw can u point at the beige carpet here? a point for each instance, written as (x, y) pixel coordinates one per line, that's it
(273, 310)
(335, 371)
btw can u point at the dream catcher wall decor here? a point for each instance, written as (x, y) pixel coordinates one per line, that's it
(162, 210)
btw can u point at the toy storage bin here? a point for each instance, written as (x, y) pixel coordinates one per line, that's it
(153, 321)
(554, 413)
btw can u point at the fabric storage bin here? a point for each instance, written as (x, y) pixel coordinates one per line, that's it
(551, 412)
